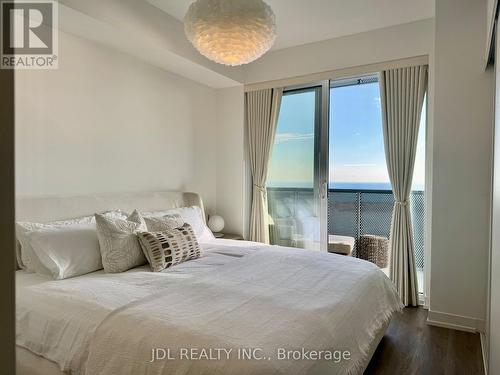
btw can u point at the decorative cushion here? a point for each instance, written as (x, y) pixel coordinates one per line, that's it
(120, 249)
(167, 222)
(340, 244)
(170, 247)
(191, 215)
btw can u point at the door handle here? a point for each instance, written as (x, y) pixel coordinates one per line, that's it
(323, 189)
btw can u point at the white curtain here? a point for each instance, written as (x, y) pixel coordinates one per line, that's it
(402, 94)
(262, 110)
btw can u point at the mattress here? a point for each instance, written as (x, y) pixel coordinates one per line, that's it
(28, 363)
(239, 295)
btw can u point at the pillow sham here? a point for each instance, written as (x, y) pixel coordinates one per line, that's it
(67, 251)
(28, 259)
(167, 222)
(120, 248)
(169, 247)
(191, 215)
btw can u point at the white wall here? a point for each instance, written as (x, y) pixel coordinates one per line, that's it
(461, 165)
(142, 30)
(107, 122)
(493, 333)
(390, 43)
(231, 159)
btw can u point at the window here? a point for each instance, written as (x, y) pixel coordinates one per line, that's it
(360, 194)
(357, 157)
(293, 173)
(292, 161)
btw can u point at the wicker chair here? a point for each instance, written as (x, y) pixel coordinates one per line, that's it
(374, 249)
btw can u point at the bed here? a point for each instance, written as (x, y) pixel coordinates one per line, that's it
(242, 308)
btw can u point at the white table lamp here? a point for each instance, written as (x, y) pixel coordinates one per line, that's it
(216, 225)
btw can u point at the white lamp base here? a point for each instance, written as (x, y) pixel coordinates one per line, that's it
(218, 235)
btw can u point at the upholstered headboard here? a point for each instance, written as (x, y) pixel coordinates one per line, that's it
(43, 209)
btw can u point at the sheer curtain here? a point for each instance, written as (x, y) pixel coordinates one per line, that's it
(262, 110)
(402, 94)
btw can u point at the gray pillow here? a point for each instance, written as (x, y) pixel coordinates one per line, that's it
(120, 249)
(166, 222)
(169, 247)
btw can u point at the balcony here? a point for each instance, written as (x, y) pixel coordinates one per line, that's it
(350, 213)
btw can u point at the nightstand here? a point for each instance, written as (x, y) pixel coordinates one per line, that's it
(228, 236)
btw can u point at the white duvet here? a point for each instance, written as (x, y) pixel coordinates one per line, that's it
(243, 308)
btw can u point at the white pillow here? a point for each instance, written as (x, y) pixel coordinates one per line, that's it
(191, 215)
(29, 260)
(67, 251)
(120, 248)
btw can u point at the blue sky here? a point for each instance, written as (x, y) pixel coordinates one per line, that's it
(356, 141)
(292, 158)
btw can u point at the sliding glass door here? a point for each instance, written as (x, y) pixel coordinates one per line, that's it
(297, 180)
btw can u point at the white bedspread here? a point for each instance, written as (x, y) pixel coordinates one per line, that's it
(238, 296)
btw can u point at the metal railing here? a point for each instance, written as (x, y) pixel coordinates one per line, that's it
(350, 213)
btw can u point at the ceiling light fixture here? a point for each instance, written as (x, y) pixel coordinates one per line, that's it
(230, 32)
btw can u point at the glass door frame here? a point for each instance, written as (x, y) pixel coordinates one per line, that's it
(321, 158)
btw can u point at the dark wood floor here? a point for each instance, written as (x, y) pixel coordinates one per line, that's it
(410, 346)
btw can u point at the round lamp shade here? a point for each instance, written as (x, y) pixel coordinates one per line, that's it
(216, 223)
(230, 32)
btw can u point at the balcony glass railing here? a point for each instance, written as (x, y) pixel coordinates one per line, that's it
(350, 213)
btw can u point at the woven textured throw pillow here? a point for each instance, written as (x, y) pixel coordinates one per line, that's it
(166, 222)
(169, 247)
(120, 249)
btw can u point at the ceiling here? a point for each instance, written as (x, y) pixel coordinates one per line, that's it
(138, 28)
(306, 21)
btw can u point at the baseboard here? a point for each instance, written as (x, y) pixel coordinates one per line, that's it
(484, 350)
(452, 321)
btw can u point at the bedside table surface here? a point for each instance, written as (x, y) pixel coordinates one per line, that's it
(230, 236)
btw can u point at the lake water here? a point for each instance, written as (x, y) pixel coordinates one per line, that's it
(340, 185)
